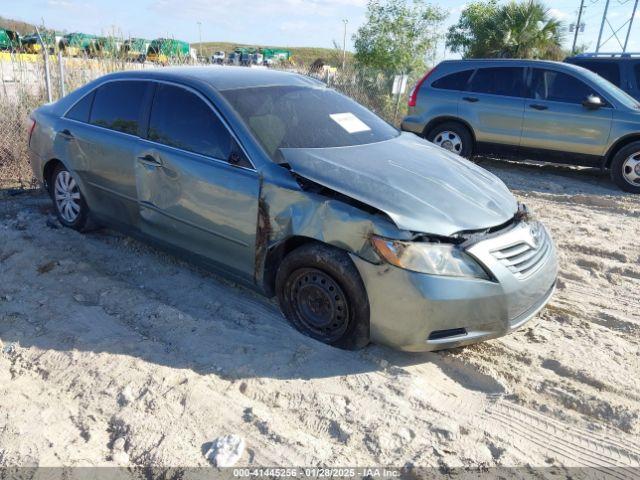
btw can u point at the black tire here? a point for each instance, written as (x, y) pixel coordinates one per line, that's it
(82, 220)
(466, 149)
(322, 295)
(618, 168)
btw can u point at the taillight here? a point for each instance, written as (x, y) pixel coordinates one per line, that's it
(413, 96)
(31, 127)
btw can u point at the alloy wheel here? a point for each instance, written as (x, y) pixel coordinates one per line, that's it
(449, 141)
(631, 169)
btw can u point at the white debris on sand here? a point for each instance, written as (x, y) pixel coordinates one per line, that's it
(225, 451)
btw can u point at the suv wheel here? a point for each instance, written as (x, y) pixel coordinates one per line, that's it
(322, 295)
(452, 136)
(625, 168)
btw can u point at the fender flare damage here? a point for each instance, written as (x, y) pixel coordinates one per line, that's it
(327, 217)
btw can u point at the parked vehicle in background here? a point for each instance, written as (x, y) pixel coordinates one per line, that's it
(233, 58)
(361, 231)
(135, 49)
(621, 69)
(9, 40)
(78, 44)
(218, 58)
(257, 58)
(550, 111)
(163, 49)
(51, 40)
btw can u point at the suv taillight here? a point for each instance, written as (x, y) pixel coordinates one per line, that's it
(31, 125)
(413, 96)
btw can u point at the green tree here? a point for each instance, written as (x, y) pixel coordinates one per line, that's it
(513, 30)
(398, 35)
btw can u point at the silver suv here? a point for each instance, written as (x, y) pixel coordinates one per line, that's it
(549, 111)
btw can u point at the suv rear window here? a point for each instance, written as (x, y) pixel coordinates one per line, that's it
(454, 81)
(505, 81)
(608, 70)
(117, 106)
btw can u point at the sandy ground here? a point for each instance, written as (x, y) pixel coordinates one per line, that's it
(115, 353)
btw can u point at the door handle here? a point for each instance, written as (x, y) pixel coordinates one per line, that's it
(470, 99)
(66, 133)
(150, 160)
(537, 106)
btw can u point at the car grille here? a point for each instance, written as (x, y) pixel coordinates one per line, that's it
(525, 257)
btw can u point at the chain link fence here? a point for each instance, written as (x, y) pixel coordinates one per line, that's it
(23, 87)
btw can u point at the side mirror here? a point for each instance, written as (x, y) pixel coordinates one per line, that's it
(592, 102)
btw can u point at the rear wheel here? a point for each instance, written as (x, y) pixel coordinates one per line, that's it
(625, 168)
(452, 136)
(321, 293)
(68, 202)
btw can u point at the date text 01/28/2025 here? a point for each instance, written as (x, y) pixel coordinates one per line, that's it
(315, 472)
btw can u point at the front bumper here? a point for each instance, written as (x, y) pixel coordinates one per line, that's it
(420, 312)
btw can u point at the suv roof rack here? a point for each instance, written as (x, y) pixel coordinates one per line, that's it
(609, 55)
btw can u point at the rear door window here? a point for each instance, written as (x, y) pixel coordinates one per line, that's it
(607, 70)
(558, 87)
(454, 81)
(505, 81)
(117, 106)
(81, 110)
(181, 119)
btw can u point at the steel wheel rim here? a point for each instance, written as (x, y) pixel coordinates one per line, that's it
(67, 196)
(319, 304)
(631, 169)
(449, 141)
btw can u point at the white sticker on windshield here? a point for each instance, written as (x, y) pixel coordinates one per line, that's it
(349, 122)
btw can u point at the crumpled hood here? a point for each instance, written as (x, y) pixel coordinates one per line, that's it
(423, 188)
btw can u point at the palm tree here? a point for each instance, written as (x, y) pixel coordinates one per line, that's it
(516, 30)
(527, 30)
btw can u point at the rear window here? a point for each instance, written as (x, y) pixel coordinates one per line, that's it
(117, 106)
(454, 81)
(306, 117)
(607, 70)
(506, 81)
(80, 111)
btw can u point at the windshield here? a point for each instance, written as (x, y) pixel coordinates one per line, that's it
(306, 117)
(610, 89)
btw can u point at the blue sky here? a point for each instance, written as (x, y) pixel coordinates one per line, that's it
(265, 22)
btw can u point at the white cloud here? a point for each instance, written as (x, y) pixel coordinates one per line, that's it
(559, 14)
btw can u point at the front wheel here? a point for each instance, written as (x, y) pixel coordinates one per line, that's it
(452, 136)
(322, 295)
(625, 168)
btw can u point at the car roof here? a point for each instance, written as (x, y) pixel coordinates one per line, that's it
(222, 77)
(502, 61)
(448, 66)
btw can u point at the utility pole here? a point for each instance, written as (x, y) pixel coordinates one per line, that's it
(575, 36)
(200, 38)
(344, 44)
(604, 18)
(633, 15)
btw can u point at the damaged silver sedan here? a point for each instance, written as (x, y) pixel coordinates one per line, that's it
(363, 233)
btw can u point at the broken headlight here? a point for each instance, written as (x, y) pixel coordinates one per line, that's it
(433, 258)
